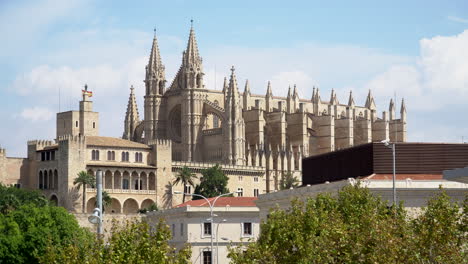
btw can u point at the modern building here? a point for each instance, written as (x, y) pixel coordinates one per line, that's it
(236, 222)
(419, 174)
(255, 138)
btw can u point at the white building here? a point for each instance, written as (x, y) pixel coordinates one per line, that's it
(236, 220)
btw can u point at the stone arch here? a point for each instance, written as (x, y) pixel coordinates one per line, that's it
(117, 180)
(144, 181)
(51, 178)
(126, 180)
(134, 184)
(146, 203)
(55, 179)
(115, 207)
(152, 181)
(45, 182)
(54, 200)
(175, 123)
(138, 135)
(41, 180)
(90, 205)
(108, 179)
(130, 206)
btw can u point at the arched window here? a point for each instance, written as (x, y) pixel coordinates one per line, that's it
(136, 157)
(215, 121)
(76, 123)
(113, 155)
(109, 155)
(44, 183)
(41, 178)
(125, 184)
(123, 156)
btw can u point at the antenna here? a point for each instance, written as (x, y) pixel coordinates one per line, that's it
(395, 125)
(59, 97)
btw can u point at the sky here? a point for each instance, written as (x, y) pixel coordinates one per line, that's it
(416, 50)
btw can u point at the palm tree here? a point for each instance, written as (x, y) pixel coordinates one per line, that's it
(83, 179)
(288, 181)
(185, 177)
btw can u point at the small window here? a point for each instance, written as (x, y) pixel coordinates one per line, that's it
(187, 189)
(181, 229)
(97, 154)
(173, 230)
(256, 192)
(241, 178)
(207, 229)
(47, 155)
(207, 257)
(76, 123)
(42, 156)
(215, 121)
(247, 229)
(52, 155)
(240, 192)
(94, 125)
(256, 179)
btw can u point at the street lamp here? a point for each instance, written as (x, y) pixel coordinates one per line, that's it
(211, 210)
(96, 217)
(217, 248)
(392, 146)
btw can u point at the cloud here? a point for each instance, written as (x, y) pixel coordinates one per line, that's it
(37, 113)
(438, 78)
(458, 19)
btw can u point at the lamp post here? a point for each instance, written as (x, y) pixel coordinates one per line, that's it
(217, 248)
(96, 217)
(392, 146)
(211, 211)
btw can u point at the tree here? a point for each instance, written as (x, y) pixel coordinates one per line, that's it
(30, 224)
(83, 179)
(186, 177)
(152, 207)
(288, 181)
(106, 200)
(357, 227)
(212, 183)
(130, 242)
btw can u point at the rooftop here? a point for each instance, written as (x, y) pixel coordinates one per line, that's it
(114, 142)
(223, 201)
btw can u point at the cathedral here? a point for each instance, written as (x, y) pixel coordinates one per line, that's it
(256, 139)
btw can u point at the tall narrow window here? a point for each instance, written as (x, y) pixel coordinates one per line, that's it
(125, 184)
(76, 123)
(207, 229)
(94, 125)
(207, 257)
(240, 192)
(256, 192)
(109, 155)
(247, 229)
(97, 154)
(215, 121)
(181, 229)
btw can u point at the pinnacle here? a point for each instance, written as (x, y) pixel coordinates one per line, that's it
(191, 53)
(247, 87)
(351, 98)
(269, 92)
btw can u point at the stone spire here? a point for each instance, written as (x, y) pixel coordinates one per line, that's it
(316, 98)
(246, 95)
(370, 103)
(403, 110)
(289, 92)
(234, 138)
(269, 98)
(225, 85)
(333, 99)
(295, 94)
(191, 55)
(132, 118)
(351, 99)
(391, 109)
(155, 71)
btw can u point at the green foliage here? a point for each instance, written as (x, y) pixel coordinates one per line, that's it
(288, 181)
(84, 178)
(28, 224)
(152, 207)
(357, 227)
(213, 183)
(186, 177)
(11, 198)
(132, 242)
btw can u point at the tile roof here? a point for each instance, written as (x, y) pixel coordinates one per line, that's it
(400, 176)
(113, 142)
(224, 201)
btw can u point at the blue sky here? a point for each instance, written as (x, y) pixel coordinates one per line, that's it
(416, 49)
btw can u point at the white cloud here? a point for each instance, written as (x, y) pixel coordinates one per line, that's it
(458, 19)
(37, 113)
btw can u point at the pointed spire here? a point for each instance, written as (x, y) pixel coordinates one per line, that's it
(233, 91)
(333, 99)
(225, 85)
(269, 92)
(403, 106)
(351, 99)
(247, 87)
(295, 94)
(154, 63)
(289, 91)
(191, 55)
(313, 92)
(391, 109)
(370, 103)
(316, 99)
(131, 117)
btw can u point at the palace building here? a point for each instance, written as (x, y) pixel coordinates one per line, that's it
(256, 139)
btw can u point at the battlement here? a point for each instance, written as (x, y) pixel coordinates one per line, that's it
(70, 138)
(40, 143)
(160, 142)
